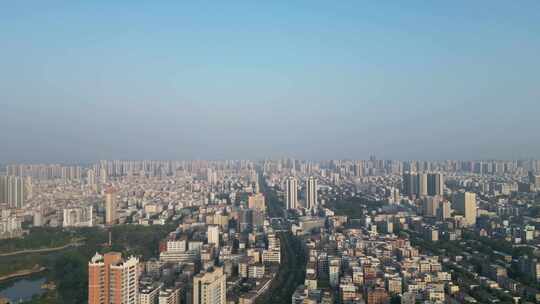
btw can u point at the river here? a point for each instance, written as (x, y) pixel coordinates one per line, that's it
(18, 290)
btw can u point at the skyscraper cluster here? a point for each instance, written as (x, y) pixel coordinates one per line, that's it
(14, 191)
(422, 184)
(291, 193)
(45, 172)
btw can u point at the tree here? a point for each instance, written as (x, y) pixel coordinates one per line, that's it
(396, 299)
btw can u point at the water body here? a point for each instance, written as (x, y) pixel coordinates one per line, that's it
(20, 290)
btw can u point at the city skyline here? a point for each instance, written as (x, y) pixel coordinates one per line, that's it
(243, 80)
(89, 163)
(269, 152)
(273, 231)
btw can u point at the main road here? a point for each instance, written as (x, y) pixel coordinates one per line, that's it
(292, 270)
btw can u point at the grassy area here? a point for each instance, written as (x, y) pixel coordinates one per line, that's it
(12, 264)
(140, 240)
(38, 238)
(353, 208)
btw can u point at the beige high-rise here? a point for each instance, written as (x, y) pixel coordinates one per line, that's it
(465, 204)
(110, 207)
(422, 184)
(430, 205)
(212, 233)
(210, 287)
(257, 202)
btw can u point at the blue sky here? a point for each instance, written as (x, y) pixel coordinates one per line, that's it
(86, 80)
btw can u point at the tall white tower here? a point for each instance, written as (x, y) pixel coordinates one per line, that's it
(291, 185)
(311, 193)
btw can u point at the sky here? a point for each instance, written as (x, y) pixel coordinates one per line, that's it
(88, 80)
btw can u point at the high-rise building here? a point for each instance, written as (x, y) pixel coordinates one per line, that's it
(28, 188)
(465, 204)
(333, 271)
(435, 184)
(445, 210)
(112, 280)
(430, 205)
(291, 185)
(534, 179)
(110, 206)
(169, 296)
(210, 287)
(3, 190)
(410, 184)
(77, 217)
(103, 176)
(211, 176)
(13, 191)
(149, 293)
(359, 168)
(213, 234)
(257, 202)
(17, 193)
(422, 184)
(311, 193)
(91, 179)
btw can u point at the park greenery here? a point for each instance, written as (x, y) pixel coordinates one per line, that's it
(38, 238)
(68, 268)
(354, 207)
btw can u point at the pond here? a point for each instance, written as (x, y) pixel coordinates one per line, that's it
(20, 290)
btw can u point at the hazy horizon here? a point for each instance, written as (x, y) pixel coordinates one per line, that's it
(93, 162)
(83, 81)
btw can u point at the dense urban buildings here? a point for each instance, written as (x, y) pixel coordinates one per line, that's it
(270, 152)
(374, 231)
